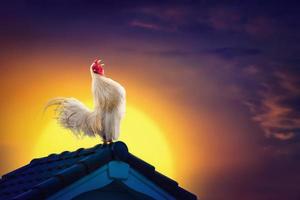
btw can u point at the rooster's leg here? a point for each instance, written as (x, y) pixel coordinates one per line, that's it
(104, 140)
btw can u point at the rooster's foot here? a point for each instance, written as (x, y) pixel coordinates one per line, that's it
(107, 142)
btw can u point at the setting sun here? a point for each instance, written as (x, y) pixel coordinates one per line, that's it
(137, 130)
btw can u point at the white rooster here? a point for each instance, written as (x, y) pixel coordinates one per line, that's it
(109, 108)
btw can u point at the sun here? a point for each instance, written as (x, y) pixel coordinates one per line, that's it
(142, 135)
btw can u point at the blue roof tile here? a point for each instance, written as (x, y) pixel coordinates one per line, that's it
(43, 177)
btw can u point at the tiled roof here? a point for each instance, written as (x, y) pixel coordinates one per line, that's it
(44, 176)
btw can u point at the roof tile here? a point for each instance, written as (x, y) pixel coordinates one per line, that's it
(44, 176)
(143, 167)
(50, 186)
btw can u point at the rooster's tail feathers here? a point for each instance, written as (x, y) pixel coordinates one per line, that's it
(54, 102)
(74, 115)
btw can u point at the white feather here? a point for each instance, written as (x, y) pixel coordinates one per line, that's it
(104, 120)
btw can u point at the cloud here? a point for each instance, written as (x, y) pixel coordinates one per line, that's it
(259, 26)
(251, 70)
(275, 104)
(218, 17)
(145, 25)
(223, 18)
(170, 53)
(159, 17)
(172, 14)
(233, 52)
(237, 19)
(290, 81)
(284, 135)
(169, 17)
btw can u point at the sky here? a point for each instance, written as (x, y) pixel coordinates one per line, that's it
(221, 80)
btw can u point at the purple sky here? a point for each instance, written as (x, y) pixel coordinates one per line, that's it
(244, 57)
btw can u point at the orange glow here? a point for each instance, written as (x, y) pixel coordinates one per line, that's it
(179, 141)
(137, 131)
(156, 138)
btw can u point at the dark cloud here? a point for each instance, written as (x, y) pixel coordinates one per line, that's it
(225, 53)
(153, 26)
(234, 52)
(170, 53)
(293, 61)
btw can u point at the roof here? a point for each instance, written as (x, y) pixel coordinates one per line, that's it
(45, 176)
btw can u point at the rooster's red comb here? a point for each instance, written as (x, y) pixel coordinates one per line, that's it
(97, 62)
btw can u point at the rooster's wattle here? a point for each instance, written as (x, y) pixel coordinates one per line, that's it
(109, 108)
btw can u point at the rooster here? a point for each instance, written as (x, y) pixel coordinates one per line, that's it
(109, 108)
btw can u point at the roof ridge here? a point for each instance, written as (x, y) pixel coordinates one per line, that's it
(65, 168)
(65, 152)
(40, 160)
(76, 171)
